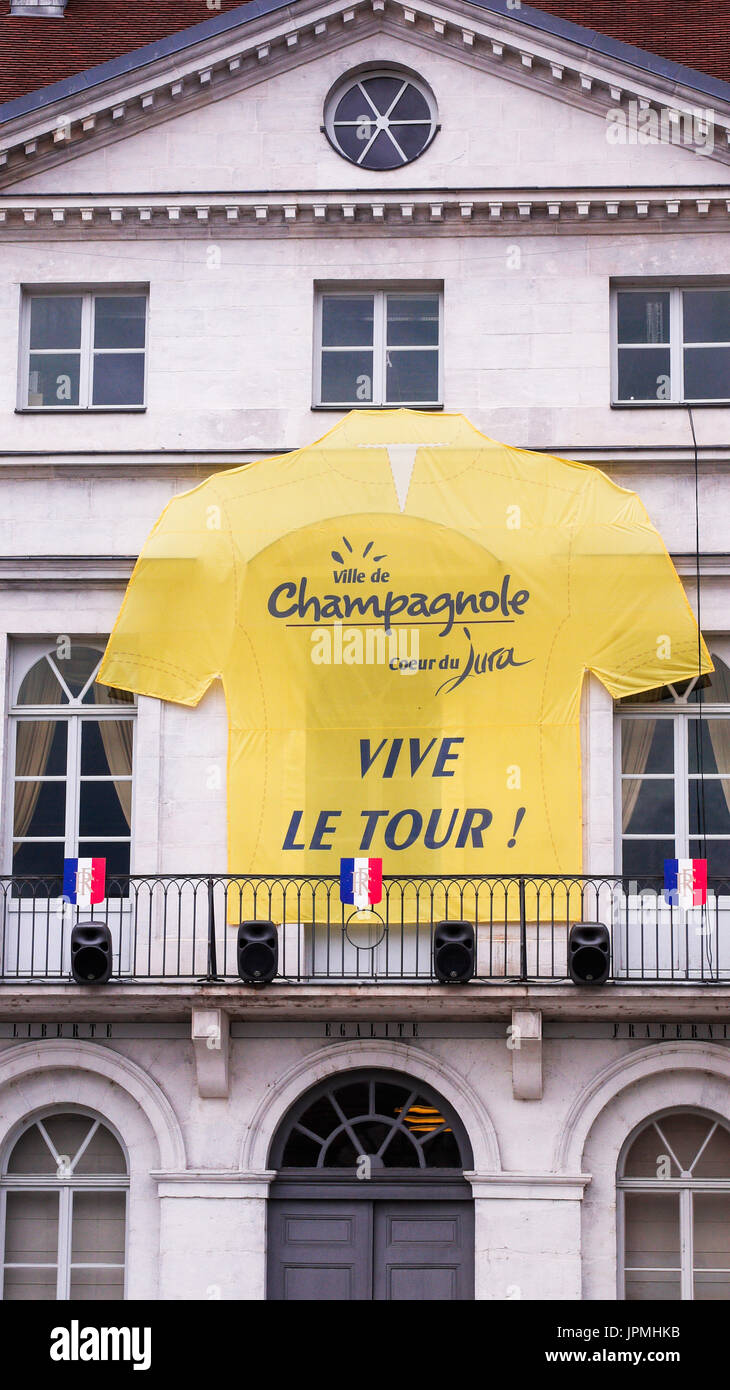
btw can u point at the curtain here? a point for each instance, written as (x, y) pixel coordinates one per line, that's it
(636, 739)
(117, 736)
(719, 729)
(33, 743)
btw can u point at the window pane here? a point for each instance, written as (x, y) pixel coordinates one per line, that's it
(40, 748)
(644, 859)
(103, 1154)
(715, 745)
(711, 1245)
(412, 106)
(320, 1118)
(647, 1154)
(354, 1099)
(347, 376)
(99, 694)
(718, 856)
(36, 857)
(87, 1284)
(55, 321)
(648, 806)
(119, 321)
(706, 374)
(31, 1228)
(40, 808)
(652, 1258)
(411, 138)
(382, 91)
(706, 316)
(353, 106)
(117, 860)
(715, 1159)
(643, 317)
(643, 374)
(709, 806)
(33, 1285)
(685, 1133)
(647, 745)
(118, 378)
(101, 808)
(54, 379)
(413, 322)
(412, 376)
(97, 1231)
(353, 139)
(106, 747)
(717, 688)
(382, 154)
(41, 686)
(31, 1154)
(347, 322)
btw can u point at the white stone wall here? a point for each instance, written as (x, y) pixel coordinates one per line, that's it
(230, 358)
(544, 1172)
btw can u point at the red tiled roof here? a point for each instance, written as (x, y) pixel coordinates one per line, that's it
(37, 52)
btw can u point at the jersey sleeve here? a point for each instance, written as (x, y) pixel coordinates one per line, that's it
(174, 630)
(635, 624)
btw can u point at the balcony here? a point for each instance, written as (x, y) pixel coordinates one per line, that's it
(180, 929)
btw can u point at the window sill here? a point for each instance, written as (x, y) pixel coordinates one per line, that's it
(367, 405)
(671, 405)
(80, 409)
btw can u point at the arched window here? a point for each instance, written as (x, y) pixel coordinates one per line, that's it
(63, 1201)
(388, 1119)
(674, 1209)
(72, 759)
(674, 773)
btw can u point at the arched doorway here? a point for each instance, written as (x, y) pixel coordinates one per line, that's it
(370, 1201)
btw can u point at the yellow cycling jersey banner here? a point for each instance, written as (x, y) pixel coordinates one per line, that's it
(402, 615)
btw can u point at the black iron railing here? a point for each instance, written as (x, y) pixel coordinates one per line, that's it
(183, 928)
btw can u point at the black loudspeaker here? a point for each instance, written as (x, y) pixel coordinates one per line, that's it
(258, 952)
(91, 953)
(453, 952)
(589, 953)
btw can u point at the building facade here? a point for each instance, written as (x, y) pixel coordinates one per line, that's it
(212, 248)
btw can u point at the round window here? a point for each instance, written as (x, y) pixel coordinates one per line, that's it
(380, 120)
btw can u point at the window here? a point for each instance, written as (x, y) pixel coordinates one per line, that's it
(380, 120)
(378, 348)
(674, 771)
(674, 1205)
(83, 351)
(393, 1120)
(72, 759)
(671, 345)
(64, 1196)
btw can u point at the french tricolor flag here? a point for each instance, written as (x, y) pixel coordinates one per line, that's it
(84, 881)
(685, 882)
(361, 881)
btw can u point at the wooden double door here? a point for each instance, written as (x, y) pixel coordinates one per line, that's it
(360, 1250)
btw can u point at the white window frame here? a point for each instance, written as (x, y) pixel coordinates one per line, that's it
(675, 345)
(379, 294)
(354, 79)
(680, 711)
(684, 1187)
(66, 1188)
(24, 657)
(87, 351)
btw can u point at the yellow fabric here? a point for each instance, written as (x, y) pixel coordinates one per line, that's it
(537, 568)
